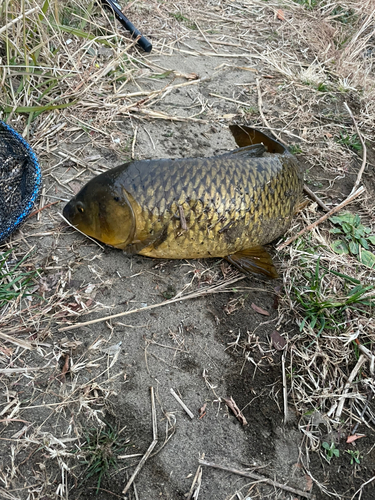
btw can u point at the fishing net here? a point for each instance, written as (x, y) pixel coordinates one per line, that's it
(20, 180)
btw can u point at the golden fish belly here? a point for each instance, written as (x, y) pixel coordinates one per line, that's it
(210, 207)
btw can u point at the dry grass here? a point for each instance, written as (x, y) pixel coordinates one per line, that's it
(70, 69)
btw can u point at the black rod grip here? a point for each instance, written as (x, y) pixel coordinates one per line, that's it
(143, 42)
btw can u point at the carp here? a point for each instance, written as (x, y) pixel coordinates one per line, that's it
(188, 208)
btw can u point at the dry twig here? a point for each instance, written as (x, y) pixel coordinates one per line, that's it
(195, 485)
(179, 400)
(150, 448)
(358, 366)
(237, 412)
(257, 477)
(364, 159)
(285, 388)
(322, 219)
(315, 198)
(193, 295)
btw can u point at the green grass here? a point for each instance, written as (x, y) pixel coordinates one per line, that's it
(350, 141)
(295, 149)
(325, 309)
(344, 16)
(14, 281)
(100, 450)
(308, 4)
(181, 18)
(41, 68)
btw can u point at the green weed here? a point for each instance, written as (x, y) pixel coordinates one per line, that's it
(14, 281)
(181, 18)
(355, 456)
(308, 4)
(330, 451)
(355, 238)
(100, 451)
(325, 310)
(350, 141)
(250, 110)
(295, 149)
(320, 87)
(161, 76)
(343, 16)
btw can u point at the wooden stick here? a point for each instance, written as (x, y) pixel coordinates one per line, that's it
(211, 289)
(257, 477)
(315, 198)
(285, 388)
(10, 371)
(150, 448)
(361, 170)
(348, 200)
(179, 400)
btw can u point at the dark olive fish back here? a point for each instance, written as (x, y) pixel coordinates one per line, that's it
(229, 202)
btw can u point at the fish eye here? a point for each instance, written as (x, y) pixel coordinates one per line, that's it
(80, 208)
(116, 198)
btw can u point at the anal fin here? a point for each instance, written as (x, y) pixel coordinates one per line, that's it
(255, 260)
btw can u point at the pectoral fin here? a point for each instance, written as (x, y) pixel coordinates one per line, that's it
(255, 260)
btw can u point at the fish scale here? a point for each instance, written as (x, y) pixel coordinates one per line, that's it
(223, 206)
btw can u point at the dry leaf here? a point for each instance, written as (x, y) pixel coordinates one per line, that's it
(259, 310)
(280, 15)
(188, 76)
(65, 368)
(353, 438)
(7, 352)
(202, 411)
(309, 483)
(277, 340)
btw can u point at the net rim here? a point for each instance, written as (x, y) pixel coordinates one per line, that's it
(37, 183)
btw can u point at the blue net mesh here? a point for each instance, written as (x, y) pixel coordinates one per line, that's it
(20, 180)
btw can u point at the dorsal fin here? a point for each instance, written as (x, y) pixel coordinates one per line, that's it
(251, 151)
(246, 136)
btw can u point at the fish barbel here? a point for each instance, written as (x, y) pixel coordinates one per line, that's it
(188, 208)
